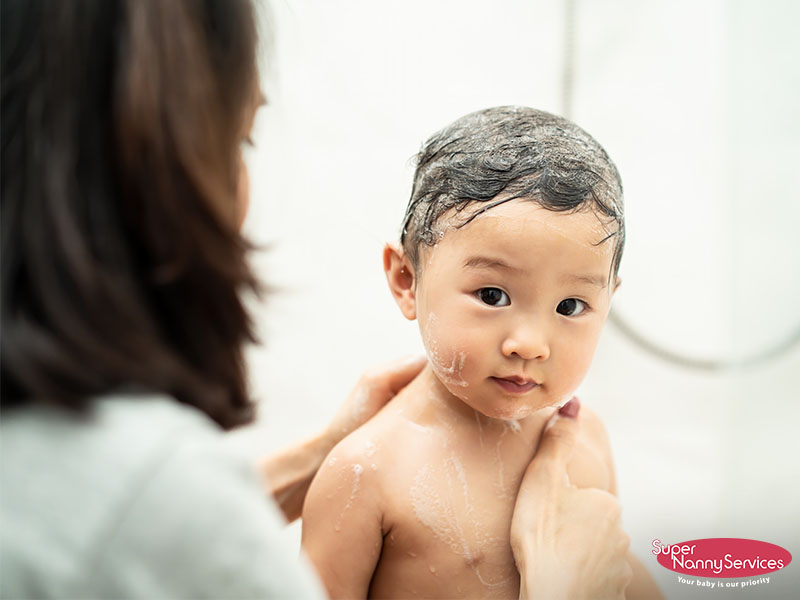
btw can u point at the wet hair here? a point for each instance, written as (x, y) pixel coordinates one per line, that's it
(500, 154)
(122, 266)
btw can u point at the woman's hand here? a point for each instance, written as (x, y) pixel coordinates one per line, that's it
(289, 472)
(567, 542)
(374, 389)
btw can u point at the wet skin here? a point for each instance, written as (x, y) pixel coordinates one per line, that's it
(418, 502)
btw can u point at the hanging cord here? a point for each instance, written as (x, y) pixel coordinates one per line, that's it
(568, 64)
(701, 364)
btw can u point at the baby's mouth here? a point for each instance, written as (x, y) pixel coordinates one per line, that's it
(515, 385)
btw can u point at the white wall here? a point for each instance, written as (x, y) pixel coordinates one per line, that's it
(697, 103)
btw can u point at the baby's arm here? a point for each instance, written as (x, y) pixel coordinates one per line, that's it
(342, 522)
(642, 586)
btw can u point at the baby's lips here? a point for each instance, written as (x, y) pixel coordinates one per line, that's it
(511, 385)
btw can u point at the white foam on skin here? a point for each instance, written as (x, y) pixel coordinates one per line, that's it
(359, 407)
(451, 525)
(357, 471)
(436, 513)
(370, 449)
(514, 414)
(501, 469)
(439, 513)
(480, 428)
(418, 427)
(488, 584)
(448, 371)
(462, 478)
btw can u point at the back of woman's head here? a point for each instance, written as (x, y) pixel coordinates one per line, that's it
(121, 261)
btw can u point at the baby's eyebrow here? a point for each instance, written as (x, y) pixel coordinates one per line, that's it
(597, 280)
(486, 262)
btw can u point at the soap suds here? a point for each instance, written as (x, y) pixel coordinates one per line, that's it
(370, 449)
(358, 410)
(357, 471)
(449, 371)
(480, 428)
(438, 513)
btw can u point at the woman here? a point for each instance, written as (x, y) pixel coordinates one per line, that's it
(123, 190)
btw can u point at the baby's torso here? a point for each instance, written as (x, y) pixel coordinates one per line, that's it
(447, 502)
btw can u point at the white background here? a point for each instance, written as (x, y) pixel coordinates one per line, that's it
(697, 102)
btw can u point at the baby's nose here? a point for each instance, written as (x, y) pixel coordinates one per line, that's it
(528, 342)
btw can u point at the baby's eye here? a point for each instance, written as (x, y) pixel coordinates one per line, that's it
(571, 307)
(493, 296)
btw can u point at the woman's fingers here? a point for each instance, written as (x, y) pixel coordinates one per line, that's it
(558, 439)
(568, 542)
(374, 389)
(556, 445)
(392, 377)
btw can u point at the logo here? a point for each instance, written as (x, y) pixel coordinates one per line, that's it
(721, 557)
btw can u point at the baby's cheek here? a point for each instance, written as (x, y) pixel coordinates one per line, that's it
(570, 375)
(449, 358)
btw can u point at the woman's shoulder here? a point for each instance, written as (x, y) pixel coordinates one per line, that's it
(95, 456)
(125, 425)
(116, 439)
(139, 497)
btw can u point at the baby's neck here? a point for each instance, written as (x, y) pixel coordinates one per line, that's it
(432, 403)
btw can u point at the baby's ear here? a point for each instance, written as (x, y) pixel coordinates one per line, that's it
(400, 277)
(617, 283)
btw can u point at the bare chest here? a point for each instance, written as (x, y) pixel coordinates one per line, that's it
(448, 513)
(447, 520)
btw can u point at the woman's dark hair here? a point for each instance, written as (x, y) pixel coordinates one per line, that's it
(122, 266)
(519, 152)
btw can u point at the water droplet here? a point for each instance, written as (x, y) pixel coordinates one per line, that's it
(370, 448)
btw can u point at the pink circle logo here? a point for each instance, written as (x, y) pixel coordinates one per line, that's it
(721, 557)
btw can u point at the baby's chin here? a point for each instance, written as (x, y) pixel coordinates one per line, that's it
(505, 409)
(515, 412)
(500, 408)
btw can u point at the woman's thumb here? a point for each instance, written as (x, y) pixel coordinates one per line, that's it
(559, 435)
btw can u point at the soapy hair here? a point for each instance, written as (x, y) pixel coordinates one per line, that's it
(509, 152)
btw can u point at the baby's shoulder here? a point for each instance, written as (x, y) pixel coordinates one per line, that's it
(593, 431)
(352, 453)
(346, 484)
(390, 450)
(362, 452)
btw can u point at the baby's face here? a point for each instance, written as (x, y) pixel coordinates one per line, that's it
(511, 306)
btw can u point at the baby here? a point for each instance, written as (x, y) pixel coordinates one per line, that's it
(508, 260)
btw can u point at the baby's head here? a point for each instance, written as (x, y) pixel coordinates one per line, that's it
(509, 256)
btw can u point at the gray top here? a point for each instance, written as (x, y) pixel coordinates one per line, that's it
(138, 500)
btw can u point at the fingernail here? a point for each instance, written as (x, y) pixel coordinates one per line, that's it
(571, 408)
